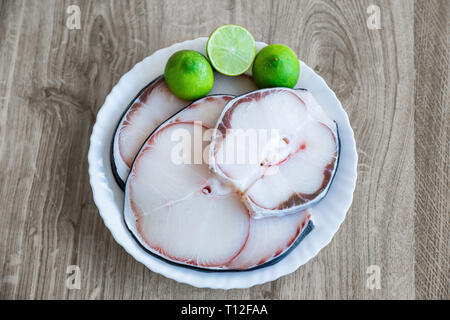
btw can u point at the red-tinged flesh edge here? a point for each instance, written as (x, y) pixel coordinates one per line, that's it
(280, 251)
(149, 141)
(327, 173)
(115, 141)
(139, 216)
(117, 156)
(225, 122)
(198, 103)
(172, 259)
(176, 120)
(290, 242)
(133, 109)
(303, 196)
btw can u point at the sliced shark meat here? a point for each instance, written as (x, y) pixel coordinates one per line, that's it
(180, 210)
(154, 105)
(269, 238)
(290, 150)
(177, 208)
(205, 110)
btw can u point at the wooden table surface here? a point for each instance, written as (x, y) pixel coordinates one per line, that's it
(393, 82)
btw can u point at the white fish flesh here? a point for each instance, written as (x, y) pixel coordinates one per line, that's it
(185, 213)
(269, 238)
(278, 148)
(154, 105)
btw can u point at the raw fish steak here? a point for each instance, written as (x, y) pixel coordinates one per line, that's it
(277, 148)
(270, 237)
(154, 105)
(185, 213)
(151, 108)
(182, 211)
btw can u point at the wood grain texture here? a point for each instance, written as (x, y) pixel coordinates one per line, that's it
(392, 82)
(432, 146)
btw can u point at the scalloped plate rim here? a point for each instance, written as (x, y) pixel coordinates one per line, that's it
(201, 279)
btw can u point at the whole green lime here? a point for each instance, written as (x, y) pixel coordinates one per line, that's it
(276, 66)
(189, 75)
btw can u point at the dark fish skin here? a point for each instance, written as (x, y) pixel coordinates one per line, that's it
(306, 230)
(316, 198)
(119, 180)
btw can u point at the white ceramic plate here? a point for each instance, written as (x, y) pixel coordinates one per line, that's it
(327, 215)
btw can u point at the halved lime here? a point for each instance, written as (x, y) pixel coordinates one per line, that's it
(231, 49)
